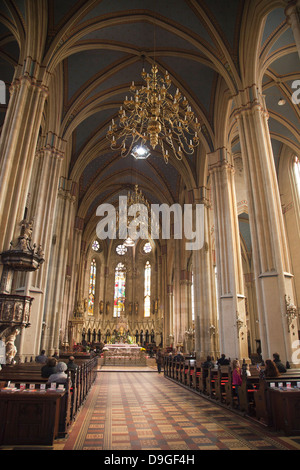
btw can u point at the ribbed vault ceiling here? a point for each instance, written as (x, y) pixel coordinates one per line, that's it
(104, 49)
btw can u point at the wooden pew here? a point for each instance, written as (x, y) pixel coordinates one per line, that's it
(284, 406)
(22, 372)
(64, 413)
(221, 381)
(247, 390)
(263, 410)
(77, 387)
(168, 366)
(19, 425)
(172, 368)
(190, 373)
(212, 375)
(184, 365)
(230, 398)
(177, 368)
(201, 379)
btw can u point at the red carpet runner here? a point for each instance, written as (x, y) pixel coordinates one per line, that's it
(129, 411)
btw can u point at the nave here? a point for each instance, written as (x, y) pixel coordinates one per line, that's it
(144, 411)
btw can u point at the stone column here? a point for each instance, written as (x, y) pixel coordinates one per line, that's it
(292, 18)
(270, 252)
(17, 149)
(232, 321)
(64, 218)
(72, 277)
(42, 211)
(185, 312)
(169, 323)
(204, 293)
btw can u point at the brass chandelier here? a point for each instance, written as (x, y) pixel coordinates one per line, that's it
(136, 198)
(153, 114)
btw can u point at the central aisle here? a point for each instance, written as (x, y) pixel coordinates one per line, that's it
(146, 411)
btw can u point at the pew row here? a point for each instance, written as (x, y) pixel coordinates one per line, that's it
(255, 398)
(28, 374)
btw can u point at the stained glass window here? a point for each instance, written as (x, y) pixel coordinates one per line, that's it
(92, 288)
(96, 246)
(119, 298)
(147, 248)
(121, 250)
(147, 290)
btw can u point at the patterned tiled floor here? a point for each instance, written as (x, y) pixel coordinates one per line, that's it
(145, 411)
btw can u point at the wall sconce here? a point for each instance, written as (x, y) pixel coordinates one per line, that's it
(212, 330)
(291, 311)
(239, 323)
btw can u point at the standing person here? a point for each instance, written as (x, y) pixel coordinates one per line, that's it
(159, 360)
(236, 377)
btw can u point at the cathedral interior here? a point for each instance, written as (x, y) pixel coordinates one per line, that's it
(66, 70)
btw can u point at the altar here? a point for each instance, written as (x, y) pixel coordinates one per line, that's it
(122, 354)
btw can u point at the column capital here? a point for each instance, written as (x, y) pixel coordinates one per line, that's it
(67, 190)
(52, 145)
(250, 100)
(219, 160)
(199, 196)
(26, 79)
(291, 9)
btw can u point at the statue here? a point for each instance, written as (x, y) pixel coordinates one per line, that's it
(11, 349)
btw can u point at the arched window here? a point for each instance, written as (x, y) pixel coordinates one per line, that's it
(119, 298)
(297, 173)
(92, 287)
(147, 248)
(147, 290)
(193, 298)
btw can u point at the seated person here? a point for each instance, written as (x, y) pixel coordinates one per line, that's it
(278, 363)
(49, 368)
(42, 358)
(271, 370)
(71, 364)
(223, 361)
(60, 376)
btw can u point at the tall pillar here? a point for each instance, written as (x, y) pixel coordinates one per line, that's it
(206, 326)
(64, 218)
(293, 19)
(42, 211)
(231, 298)
(17, 149)
(185, 305)
(72, 277)
(274, 281)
